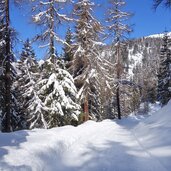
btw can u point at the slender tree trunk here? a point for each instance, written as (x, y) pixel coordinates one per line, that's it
(86, 110)
(52, 44)
(118, 102)
(118, 79)
(7, 71)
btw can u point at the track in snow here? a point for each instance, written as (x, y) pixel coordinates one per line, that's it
(108, 147)
(104, 146)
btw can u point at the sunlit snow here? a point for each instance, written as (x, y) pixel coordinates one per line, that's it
(136, 143)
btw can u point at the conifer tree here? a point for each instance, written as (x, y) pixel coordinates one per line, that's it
(2, 69)
(68, 54)
(9, 115)
(28, 54)
(48, 15)
(57, 91)
(118, 29)
(7, 64)
(164, 73)
(58, 94)
(88, 66)
(28, 73)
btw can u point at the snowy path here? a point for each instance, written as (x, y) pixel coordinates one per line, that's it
(113, 147)
(105, 146)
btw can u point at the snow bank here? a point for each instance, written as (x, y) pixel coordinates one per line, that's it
(40, 149)
(154, 134)
(105, 146)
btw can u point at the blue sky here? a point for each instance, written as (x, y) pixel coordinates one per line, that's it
(146, 21)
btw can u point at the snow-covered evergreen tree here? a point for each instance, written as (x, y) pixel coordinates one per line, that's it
(2, 68)
(117, 30)
(88, 66)
(57, 91)
(8, 111)
(28, 73)
(47, 97)
(58, 94)
(6, 68)
(164, 73)
(68, 54)
(10, 115)
(7, 75)
(28, 54)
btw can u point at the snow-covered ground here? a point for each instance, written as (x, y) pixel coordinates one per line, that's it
(136, 143)
(159, 35)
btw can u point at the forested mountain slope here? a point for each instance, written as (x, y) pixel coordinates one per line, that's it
(137, 51)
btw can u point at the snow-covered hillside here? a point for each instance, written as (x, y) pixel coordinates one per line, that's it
(159, 35)
(142, 50)
(154, 134)
(137, 51)
(136, 143)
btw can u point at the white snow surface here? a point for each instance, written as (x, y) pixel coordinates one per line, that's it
(159, 35)
(136, 143)
(137, 58)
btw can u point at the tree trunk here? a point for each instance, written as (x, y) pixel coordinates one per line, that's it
(118, 79)
(118, 102)
(7, 72)
(86, 110)
(51, 25)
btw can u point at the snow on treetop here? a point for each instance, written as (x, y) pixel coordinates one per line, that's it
(2, 42)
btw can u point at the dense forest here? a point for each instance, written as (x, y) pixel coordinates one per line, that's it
(89, 80)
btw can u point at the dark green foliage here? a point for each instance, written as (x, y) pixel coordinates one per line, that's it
(28, 54)
(68, 54)
(28, 73)
(164, 73)
(2, 69)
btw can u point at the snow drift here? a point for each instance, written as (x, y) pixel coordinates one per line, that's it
(106, 146)
(154, 134)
